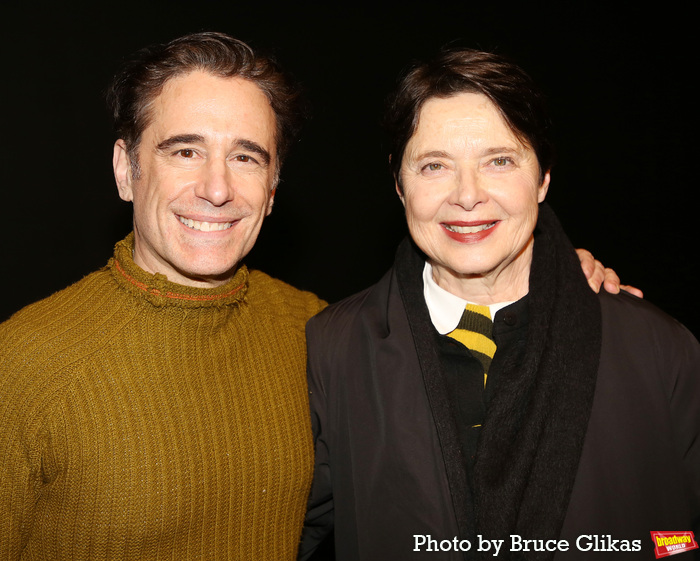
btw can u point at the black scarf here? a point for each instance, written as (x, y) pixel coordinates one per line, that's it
(531, 440)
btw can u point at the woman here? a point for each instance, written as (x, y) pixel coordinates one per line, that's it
(581, 431)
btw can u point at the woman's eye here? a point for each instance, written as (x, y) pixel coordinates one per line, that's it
(500, 162)
(433, 166)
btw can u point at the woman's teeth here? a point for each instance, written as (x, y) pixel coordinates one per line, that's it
(469, 229)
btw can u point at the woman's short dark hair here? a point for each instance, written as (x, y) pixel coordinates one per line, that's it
(458, 71)
(142, 78)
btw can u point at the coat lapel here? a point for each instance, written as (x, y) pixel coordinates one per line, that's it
(409, 268)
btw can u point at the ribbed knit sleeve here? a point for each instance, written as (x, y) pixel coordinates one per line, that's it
(142, 421)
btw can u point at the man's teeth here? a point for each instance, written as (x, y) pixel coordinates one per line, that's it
(469, 229)
(205, 226)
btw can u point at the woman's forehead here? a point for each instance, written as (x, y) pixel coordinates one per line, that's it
(460, 122)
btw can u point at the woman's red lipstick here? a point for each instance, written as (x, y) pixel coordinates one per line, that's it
(470, 232)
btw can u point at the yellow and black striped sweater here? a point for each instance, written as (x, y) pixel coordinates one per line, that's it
(141, 419)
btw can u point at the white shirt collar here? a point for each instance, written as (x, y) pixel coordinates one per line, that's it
(445, 308)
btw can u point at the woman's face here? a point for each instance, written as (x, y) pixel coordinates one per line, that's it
(471, 190)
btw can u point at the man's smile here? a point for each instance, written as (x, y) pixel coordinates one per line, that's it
(204, 226)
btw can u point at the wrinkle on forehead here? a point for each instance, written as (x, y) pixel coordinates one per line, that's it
(222, 110)
(461, 129)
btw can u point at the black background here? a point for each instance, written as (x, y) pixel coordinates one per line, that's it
(618, 81)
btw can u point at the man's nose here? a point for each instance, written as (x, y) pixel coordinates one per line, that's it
(217, 183)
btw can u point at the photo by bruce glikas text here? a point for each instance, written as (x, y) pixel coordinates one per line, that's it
(586, 542)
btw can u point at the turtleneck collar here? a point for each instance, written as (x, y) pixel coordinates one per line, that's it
(159, 291)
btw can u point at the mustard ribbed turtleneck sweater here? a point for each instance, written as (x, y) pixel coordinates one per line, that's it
(141, 419)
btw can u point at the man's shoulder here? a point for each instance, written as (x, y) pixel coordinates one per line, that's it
(43, 344)
(52, 305)
(276, 298)
(68, 318)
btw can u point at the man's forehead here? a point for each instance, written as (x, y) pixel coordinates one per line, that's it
(202, 103)
(200, 87)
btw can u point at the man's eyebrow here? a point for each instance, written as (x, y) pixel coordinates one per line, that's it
(179, 139)
(253, 146)
(244, 143)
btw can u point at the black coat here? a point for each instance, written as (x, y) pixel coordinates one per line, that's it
(597, 435)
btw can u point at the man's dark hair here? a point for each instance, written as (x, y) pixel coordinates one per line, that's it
(142, 77)
(457, 71)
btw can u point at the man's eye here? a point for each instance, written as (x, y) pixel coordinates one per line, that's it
(186, 153)
(243, 158)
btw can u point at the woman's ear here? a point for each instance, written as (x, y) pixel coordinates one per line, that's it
(542, 191)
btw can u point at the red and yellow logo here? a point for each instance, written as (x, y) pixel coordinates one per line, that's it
(671, 543)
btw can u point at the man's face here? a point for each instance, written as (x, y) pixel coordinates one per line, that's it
(207, 172)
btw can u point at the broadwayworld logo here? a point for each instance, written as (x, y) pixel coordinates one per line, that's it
(671, 543)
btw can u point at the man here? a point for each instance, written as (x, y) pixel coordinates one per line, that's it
(158, 408)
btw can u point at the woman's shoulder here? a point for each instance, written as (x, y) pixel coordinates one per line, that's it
(369, 302)
(626, 315)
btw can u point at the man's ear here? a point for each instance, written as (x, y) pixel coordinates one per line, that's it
(542, 191)
(271, 201)
(122, 171)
